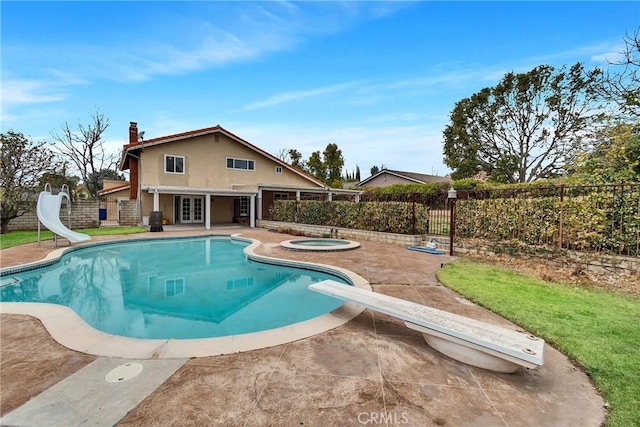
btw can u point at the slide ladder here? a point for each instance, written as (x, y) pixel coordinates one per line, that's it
(48, 210)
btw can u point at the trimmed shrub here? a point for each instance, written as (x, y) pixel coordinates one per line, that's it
(389, 217)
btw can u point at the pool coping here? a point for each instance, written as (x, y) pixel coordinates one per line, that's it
(70, 330)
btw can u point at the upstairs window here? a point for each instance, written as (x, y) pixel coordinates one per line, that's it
(174, 164)
(240, 164)
(278, 170)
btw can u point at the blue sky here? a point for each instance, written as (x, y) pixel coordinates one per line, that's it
(377, 78)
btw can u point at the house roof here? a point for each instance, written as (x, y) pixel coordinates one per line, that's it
(418, 178)
(115, 189)
(129, 149)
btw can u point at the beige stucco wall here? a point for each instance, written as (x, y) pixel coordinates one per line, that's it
(117, 195)
(206, 165)
(222, 210)
(166, 206)
(110, 183)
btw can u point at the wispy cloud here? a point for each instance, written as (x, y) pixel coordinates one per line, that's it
(53, 86)
(599, 52)
(613, 55)
(291, 96)
(22, 91)
(370, 92)
(405, 147)
(211, 35)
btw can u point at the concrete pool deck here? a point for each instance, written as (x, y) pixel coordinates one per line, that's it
(369, 371)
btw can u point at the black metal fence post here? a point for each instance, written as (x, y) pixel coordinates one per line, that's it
(452, 195)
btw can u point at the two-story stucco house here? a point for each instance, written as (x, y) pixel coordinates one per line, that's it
(211, 176)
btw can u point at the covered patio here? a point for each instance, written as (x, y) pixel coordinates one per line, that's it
(242, 204)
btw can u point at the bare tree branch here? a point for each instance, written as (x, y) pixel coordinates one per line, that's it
(84, 146)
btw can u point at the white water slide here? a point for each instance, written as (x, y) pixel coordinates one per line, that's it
(48, 209)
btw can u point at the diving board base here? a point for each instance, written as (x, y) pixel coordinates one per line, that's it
(469, 353)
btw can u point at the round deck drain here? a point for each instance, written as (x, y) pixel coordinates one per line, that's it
(123, 372)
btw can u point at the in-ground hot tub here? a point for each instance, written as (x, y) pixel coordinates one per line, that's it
(319, 245)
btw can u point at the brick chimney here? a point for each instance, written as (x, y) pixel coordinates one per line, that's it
(133, 133)
(133, 163)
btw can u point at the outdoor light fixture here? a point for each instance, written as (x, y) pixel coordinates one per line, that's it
(452, 194)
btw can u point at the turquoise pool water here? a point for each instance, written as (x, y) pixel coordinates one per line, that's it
(173, 288)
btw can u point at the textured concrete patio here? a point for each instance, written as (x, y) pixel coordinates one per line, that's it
(370, 371)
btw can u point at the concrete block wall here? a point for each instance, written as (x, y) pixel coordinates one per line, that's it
(130, 213)
(321, 230)
(84, 214)
(599, 263)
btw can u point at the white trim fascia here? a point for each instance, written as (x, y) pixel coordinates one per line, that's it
(168, 189)
(325, 190)
(399, 175)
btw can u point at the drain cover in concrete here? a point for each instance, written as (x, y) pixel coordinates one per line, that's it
(123, 372)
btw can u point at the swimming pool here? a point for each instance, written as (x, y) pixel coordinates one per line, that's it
(182, 288)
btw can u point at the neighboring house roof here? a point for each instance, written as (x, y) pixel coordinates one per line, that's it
(115, 189)
(129, 149)
(418, 178)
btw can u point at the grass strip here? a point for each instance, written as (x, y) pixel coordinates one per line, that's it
(16, 238)
(598, 330)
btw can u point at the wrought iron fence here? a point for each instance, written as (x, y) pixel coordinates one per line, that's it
(437, 218)
(588, 218)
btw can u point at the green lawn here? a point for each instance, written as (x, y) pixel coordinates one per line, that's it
(16, 238)
(599, 330)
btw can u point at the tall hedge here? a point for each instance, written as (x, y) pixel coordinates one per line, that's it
(598, 221)
(388, 217)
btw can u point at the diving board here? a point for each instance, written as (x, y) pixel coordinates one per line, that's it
(471, 341)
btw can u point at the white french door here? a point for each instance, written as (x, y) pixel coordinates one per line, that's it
(190, 209)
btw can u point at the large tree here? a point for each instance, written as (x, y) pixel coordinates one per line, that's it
(334, 161)
(615, 158)
(23, 164)
(84, 146)
(59, 179)
(296, 159)
(316, 166)
(620, 82)
(528, 126)
(326, 166)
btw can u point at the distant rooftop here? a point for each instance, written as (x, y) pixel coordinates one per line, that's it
(418, 178)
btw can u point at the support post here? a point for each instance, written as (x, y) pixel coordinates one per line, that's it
(207, 212)
(252, 211)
